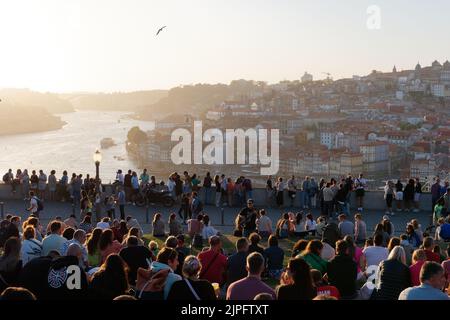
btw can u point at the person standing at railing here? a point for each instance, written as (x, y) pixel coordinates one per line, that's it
(207, 182)
(417, 195)
(360, 186)
(25, 181)
(52, 185)
(435, 193)
(42, 184)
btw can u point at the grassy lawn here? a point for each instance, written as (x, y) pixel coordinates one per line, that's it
(228, 244)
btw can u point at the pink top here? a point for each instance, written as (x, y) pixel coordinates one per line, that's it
(115, 247)
(414, 270)
(446, 266)
(357, 257)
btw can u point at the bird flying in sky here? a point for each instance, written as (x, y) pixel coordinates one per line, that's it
(160, 29)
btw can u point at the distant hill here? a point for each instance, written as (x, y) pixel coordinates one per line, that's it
(25, 97)
(118, 101)
(18, 119)
(186, 99)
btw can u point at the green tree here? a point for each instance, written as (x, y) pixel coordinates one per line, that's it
(136, 135)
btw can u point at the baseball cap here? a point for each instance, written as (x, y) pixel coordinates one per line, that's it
(386, 217)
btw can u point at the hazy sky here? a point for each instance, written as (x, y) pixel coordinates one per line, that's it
(110, 45)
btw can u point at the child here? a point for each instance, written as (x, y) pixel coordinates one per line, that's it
(154, 248)
(311, 225)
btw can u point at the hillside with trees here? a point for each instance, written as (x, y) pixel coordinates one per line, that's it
(195, 98)
(118, 101)
(24, 97)
(18, 119)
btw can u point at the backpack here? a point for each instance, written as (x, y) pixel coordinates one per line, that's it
(40, 204)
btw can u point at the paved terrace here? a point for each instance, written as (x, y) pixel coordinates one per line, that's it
(372, 215)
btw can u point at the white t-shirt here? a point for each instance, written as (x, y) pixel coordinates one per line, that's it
(360, 183)
(34, 205)
(374, 255)
(264, 224)
(310, 225)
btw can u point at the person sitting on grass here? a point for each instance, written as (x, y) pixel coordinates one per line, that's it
(191, 287)
(175, 227)
(208, 231)
(236, 262)
(172, 242)
(214, 262)
(254, 246)
(195, 226)
(312, 255)
(343, 271)
(283, 225)
(250, 286)
(154, 248)
(158, 226)
(167, 259)
(322, 287)
(274, 256)
(296, 283)
(299, 247)
(111, 280)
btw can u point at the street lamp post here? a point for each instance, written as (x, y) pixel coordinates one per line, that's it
(97, 160)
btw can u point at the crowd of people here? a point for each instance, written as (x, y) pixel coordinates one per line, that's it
(334, 256)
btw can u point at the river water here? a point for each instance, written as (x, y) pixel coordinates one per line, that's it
(71, 148)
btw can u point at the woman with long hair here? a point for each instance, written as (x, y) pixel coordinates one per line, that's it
(379, 229)
(393, 276)
(312, 255)
(357, 254)
(86, 224)
(94, 257)
(296, 282)
(111, 280)
(10, 263)
(175, 227)
(158, 226)
(108, 245)
(299, 247)
(122, 231)
(85, 204)
(132, 232)
(282, 229)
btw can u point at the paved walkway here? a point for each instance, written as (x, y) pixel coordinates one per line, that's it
(52, 209)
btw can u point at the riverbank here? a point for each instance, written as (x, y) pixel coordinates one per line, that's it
(35, 125)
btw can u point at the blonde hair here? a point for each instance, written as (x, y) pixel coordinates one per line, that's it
(419, 255)
(153, 245)
(398, 253)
